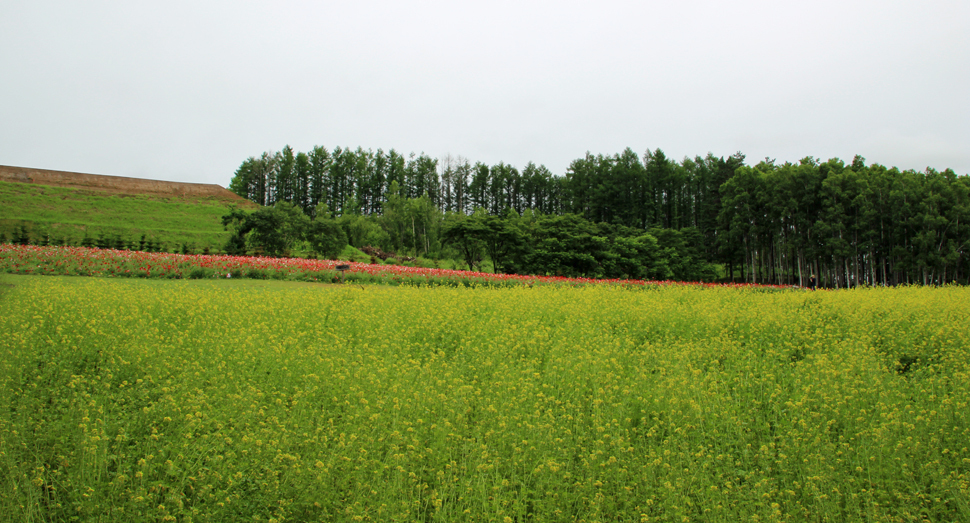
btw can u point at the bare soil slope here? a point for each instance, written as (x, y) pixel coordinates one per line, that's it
(119, 184)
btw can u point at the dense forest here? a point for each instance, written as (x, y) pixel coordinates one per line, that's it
(626, 215)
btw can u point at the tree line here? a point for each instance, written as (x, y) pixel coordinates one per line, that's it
(854, 224)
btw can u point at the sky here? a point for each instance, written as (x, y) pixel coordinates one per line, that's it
(186, 91)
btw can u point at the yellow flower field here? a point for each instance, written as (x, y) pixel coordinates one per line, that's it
(174, 400)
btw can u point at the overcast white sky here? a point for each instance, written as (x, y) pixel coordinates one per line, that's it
(187, 90)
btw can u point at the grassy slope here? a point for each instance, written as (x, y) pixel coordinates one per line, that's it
(70, 214)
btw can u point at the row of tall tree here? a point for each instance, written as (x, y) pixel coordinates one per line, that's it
(852, 224)
(767, 223)
(345, 180)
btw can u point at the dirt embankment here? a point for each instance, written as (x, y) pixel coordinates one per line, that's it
(118, 184)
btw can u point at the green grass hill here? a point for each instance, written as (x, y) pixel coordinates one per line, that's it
(53, 207)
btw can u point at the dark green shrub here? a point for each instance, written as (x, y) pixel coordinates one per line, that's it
(22, 237)
(199, 273)
(256, 274)
(103, 242)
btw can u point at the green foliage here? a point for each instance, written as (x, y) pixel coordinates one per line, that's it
(294, 225)
(503, 238)
(256, 273)
(362, 231)
(413, 225)
(565, 245)
(272, 231)
(637, 257)
(683, 252)
(198, 273)
(571, 246)
(326, 237)
(21, 237)
(466, 236)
